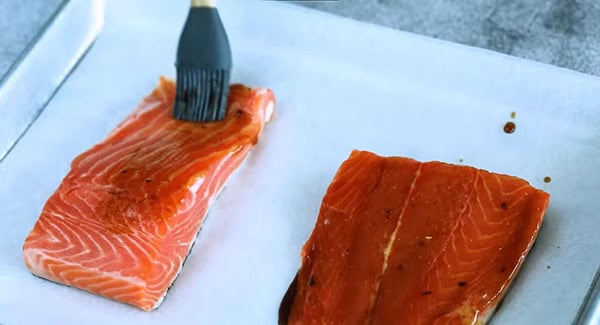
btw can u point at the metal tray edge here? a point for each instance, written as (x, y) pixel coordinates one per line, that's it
(42, 67)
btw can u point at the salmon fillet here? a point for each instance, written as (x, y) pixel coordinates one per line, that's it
(124, 218)
(398, 241)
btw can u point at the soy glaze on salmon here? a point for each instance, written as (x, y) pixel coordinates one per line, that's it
(124, 218)
(399, 241)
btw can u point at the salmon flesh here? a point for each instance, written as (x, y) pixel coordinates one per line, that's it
(124, 218)
(398, 241)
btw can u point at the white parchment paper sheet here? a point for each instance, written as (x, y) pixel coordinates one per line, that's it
(340, 85)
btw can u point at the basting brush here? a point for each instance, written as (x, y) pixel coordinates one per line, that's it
(203, 66)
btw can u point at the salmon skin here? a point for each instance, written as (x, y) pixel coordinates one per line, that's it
(398, 241)
(124, 218)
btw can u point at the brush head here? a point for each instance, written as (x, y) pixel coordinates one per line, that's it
(201, 94)
(203, 68)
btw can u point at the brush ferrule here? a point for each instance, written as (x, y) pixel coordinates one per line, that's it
(203, 3)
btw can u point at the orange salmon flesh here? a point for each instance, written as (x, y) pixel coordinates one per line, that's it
(398, 241)
(124, 218)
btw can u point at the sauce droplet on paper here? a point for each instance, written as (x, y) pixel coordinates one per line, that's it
(547, 179)
(509, 127)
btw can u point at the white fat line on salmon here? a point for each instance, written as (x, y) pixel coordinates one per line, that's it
(497, 297)
(197, 183)
(390, 243)
(215, 155)
(100, 156)
(102, 153)
(195, 186)
(70, 225)
(163, 266)
(37, 259)
(62, 232)
(106, 158)
(92, 233)
(149, 251)
(347, 191)
(214, 180)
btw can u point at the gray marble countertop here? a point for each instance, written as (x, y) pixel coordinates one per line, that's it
(565, 33)
(20, 22)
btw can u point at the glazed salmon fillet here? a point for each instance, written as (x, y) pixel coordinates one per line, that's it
(398, 241)
(124, 218)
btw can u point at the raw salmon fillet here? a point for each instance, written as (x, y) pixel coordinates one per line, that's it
(398, 241)
(124, 218)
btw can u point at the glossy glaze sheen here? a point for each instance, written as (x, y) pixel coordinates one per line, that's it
(403, 242)
(123, 220)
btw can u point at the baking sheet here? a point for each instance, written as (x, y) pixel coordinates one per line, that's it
(32, 80)
(340, 85)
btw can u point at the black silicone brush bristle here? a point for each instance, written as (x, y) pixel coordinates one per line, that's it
(203, 68)
(201, 94)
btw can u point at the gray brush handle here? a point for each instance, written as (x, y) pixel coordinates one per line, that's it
(203, 43)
